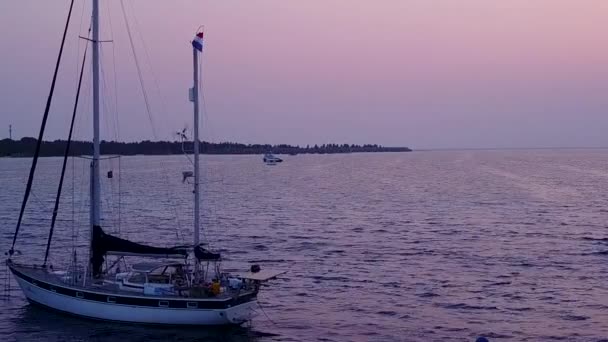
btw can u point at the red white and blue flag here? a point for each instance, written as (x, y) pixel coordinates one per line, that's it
(198, 41)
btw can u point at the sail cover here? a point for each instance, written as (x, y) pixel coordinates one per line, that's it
(103, 243)
(204, 255)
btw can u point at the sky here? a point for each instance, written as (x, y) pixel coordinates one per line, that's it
(417, 73)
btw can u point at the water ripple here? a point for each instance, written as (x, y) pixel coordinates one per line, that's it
(423, 246)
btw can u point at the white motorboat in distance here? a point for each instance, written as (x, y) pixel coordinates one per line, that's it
(271, 159)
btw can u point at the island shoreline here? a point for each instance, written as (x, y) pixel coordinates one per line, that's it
(25, 147)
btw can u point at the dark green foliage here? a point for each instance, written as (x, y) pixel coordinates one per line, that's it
(26, 146)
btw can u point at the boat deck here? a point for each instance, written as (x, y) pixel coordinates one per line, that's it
(107, 287)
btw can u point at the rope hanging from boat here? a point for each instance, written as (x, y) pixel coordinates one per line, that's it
(30, 179)
(65, 158)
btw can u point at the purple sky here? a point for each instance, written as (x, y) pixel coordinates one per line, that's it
(418, 73)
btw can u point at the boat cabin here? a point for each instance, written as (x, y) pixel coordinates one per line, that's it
(153, 278)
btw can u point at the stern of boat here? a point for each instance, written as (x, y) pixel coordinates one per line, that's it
(242, 313)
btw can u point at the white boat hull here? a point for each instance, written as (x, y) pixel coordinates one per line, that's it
(136, 314)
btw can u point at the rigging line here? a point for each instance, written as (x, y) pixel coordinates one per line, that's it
(139, 73)
(110, 127)
(116, 122)
(103, 106)
(65, 159)
(145, 94)
(160, 97)
(113, 118)
(79, 178)
(30, 179)
(163, 110)
(38, 201)
(107, 108)
(206, 171)
(165, 173)
(82, 168)
(202, 228)
(78, 44)
(109, 200)
(183, 137)
(74, 235)
(205, 228)
(109, 195)
(149, 60)
(119, 194)
(83, 165)
(73, 204)
(205, 117)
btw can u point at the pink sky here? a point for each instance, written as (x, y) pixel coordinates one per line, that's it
(420, 73)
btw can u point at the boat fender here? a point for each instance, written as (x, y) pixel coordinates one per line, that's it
(255, 268)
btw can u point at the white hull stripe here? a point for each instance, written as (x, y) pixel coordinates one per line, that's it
(33, 302)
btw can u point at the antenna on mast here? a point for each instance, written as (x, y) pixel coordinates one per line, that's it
(10, 132)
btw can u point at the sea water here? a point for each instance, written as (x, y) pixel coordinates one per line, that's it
(420, 246)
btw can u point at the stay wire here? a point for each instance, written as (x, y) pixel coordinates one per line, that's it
(212, 213)
(116, 123)
(115, 120)
(149, 61)
(146, 100)
(65, 160)
(78, 44)
(30, 180)
(163, 110)
(110, 127)
(139, 73)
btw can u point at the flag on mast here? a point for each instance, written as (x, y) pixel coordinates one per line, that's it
(198, 42)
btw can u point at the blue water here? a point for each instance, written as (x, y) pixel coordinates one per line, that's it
(421, 246)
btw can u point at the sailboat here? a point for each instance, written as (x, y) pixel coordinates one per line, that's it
(182, 285)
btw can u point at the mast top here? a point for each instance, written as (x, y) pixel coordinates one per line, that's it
(197, 43)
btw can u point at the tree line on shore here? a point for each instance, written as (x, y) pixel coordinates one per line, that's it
(27, 146)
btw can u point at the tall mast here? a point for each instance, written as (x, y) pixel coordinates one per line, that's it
(196, 145)
(95, 181)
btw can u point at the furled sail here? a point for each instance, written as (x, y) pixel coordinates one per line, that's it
(103, 243)
(203, 254)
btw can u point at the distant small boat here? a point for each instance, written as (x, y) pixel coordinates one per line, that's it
(270, 158)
